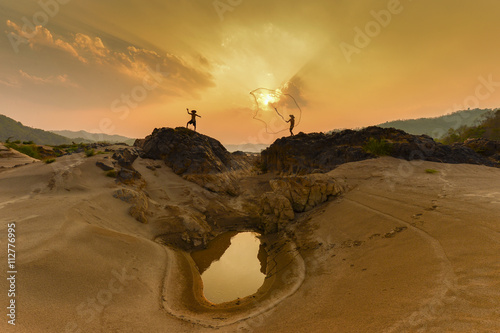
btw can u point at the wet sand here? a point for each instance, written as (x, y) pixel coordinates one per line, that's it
(402, 250)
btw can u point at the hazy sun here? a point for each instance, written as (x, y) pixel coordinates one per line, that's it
(267, 99)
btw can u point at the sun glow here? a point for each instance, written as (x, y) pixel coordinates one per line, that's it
(269, 98)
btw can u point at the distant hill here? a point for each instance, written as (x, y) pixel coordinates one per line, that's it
(487, 129)
(9, 128)
(246, 147)
(84, 136)
(438, 127)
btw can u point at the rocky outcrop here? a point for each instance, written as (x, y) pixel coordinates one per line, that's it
(306, 192)
(123, 161)
(186, 151)
(125, 157)
(277, 211)
(184, 227)
(219, 183)
(103, 166)
(139, 201)
(320, 152)
(196, 157)
(295, 194)
(487, 148)
(128, 176)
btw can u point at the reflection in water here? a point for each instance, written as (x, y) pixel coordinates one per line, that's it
(238, 272)
(213, 252)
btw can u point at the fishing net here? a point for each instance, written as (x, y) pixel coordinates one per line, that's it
(273, 108)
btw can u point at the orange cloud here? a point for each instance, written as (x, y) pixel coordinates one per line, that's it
(178, 76)
(59, 79)
(11, 82)
(43, 37)
(94, 47)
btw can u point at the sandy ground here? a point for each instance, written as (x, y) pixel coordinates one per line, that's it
(402, 251)
(10, 158)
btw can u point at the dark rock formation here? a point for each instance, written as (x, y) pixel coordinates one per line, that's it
(186, 151)
(196, 157)
(124, 159)
(488, 148)
(128, 176)
(104, 166)
(319, 152)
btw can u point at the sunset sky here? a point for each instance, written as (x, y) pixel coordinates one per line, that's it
(128, 66)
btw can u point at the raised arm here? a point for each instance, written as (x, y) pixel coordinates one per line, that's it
(187, 111)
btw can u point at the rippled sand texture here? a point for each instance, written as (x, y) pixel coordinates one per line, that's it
(403, 250)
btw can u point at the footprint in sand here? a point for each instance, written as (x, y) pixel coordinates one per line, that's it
(433, 207)
(394, 232)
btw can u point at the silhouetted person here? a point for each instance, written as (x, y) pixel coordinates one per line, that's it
(193, 118)
(292, 123)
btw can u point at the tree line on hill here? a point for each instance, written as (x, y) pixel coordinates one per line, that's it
(438, 127)
(489, 129)
(12, 130)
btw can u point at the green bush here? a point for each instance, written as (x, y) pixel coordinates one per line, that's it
(73, 147)
(431, 171)
(488, 129)
(378, 147)
(28, 142)
(111, 173)
(89, 152)
(50, 160)
(58, 152)
(30, 150)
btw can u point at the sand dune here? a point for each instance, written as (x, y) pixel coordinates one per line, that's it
(401, 251)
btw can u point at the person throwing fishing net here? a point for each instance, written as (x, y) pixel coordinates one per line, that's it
(193, 118)
(291, 121)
